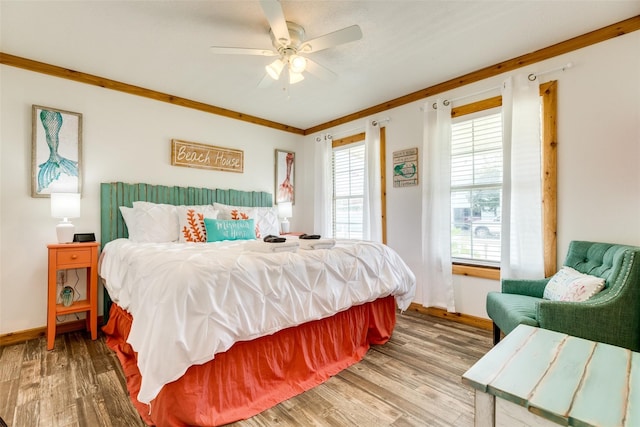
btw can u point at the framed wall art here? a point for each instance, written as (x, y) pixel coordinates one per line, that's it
(203, 156)
(405, 167)
(285, 176)
(56, 151)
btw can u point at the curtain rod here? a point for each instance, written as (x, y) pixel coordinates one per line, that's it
(381, 121)
(449, 101)
(324, 137)
(531, 77)
(328, 136)
(534, 76)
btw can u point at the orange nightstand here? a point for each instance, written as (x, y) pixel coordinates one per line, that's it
(71, 256)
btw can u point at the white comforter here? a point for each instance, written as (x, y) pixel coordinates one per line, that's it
(190, 301)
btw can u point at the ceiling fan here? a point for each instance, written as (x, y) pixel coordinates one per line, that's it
(291, 48)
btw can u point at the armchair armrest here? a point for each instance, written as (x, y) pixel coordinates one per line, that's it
(592, 321)
(532, 288)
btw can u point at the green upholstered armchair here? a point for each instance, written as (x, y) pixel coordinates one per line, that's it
(612, 316)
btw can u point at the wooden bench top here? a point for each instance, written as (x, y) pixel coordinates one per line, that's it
(568, 380)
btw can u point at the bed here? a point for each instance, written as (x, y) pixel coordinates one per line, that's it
(209, 334)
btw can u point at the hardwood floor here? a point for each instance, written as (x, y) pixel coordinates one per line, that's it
(413, 380)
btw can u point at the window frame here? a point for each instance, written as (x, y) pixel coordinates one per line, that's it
(353, 139)
(548, 173)
(350, 161)
(478, 111)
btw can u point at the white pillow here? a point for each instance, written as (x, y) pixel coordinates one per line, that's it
(265, 218)
(155, 223)
(571, 285)
(191, 222)
(129, 220)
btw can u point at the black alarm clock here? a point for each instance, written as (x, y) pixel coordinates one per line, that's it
(84, 237)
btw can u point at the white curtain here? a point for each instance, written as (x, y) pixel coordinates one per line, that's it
(323, 186)
(522, 246)
(372, 208)
(436, 287)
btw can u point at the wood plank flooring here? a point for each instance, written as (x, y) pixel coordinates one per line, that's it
(413, 380)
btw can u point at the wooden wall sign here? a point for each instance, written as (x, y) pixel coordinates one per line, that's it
(405, 167)
(194, 155)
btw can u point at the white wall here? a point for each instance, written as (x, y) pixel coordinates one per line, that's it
(126, 138)
(598, 156)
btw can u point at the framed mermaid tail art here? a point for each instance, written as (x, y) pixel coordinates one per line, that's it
(56, 151)
(285, 176)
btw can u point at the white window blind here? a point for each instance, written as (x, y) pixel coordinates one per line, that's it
(348, 191)
(476, 188)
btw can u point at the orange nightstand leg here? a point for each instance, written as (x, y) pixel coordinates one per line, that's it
(51, 300)
(92, 295)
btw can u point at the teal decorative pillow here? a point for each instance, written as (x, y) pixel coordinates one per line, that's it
(265, 218)
(571, 285)
(221, 229)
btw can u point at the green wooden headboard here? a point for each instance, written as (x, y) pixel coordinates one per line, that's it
(116, 194)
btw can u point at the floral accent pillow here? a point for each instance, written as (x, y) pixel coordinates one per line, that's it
(571, 285)
(191, 222)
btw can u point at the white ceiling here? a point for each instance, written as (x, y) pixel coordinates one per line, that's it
(407, 45)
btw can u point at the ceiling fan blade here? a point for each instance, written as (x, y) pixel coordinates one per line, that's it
(266, 81)
(320, 71)
(345, 35)
(273, 11)
(241, 51)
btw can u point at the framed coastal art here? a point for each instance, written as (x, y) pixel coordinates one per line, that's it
(285, 176)
(56, 151)
(405, 167)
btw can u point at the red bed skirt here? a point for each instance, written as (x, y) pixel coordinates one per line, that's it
(253, 376)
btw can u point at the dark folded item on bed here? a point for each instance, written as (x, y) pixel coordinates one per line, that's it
(310, 236)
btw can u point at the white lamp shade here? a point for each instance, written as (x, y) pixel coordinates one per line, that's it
(65, 205)
(295, 77)
(297, 63)
(275, 68)
(285, 210)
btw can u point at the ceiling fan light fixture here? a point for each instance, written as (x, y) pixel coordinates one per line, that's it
(295, 77)
(275, 68)
(297, 63)
(289, 44)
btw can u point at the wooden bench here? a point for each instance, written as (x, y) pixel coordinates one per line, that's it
(537, 377)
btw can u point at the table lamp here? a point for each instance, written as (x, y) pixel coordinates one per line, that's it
(65, 206)
(285, 211)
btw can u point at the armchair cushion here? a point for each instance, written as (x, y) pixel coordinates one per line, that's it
(611, 316)
(511, 310)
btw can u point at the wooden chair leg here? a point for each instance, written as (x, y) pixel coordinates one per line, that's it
(496, 334)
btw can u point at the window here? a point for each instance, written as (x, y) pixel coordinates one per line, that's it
(348, 191)
(348, 164)
(476, 187)
(549, 142)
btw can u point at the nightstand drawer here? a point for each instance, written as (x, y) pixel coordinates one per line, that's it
(74, 256)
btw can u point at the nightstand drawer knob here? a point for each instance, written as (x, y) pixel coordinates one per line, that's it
(74, 256)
